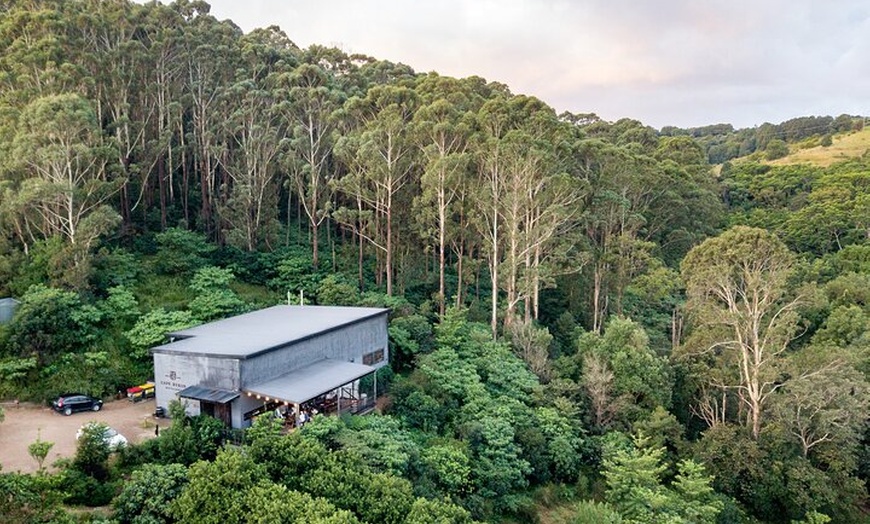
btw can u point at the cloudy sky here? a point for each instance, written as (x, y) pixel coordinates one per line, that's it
(663, 62)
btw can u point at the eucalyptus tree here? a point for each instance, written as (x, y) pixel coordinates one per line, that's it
(686, 208)
(67, 180)
(621, 187)
(738, 297)
(212, 57)
(36, 44)
(381, 154)
(525, 201)
(310, 100)
(116, 60)
(495, 121)
(254, 135)
(163, 149)
(443, 128)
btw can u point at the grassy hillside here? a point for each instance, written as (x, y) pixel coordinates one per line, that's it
(845, 146)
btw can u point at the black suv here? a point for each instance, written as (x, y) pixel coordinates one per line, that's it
(70, 402)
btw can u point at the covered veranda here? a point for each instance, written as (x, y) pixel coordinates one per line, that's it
(325, 387)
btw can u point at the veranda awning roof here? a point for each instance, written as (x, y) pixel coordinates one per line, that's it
(310, 381)
(218, 396)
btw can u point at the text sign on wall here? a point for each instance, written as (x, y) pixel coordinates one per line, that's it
(173, 382)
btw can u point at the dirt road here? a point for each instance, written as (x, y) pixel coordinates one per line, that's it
(24, 423)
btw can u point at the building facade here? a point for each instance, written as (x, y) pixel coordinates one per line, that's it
(237, 368)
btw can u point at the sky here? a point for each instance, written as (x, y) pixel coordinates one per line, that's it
(664, 62)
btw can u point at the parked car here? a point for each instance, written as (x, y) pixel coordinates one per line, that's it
(113, 438)
(72, 402)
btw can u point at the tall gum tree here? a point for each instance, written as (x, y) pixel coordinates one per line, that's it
(309, 110)
(442, 128)
(495, 120)
(58, 147)
(737, 296)
(383, 154)
(212, 53)
(254, 136)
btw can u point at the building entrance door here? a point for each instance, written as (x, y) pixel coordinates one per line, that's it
(218, 411)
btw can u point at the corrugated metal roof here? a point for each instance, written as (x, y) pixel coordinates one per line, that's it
(244, 336)
(219, 396)
(310, 381)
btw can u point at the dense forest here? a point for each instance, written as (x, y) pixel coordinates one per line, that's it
(589, 324)
(721, 142)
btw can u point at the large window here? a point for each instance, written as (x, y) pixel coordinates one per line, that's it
(374, 357)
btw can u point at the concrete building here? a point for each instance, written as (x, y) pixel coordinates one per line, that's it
(285, 357)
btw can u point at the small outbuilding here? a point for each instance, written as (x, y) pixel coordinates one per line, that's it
(8, 306)
(287, 359)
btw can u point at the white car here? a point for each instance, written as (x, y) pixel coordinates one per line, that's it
(114, 439)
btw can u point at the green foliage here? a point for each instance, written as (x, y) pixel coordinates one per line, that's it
(772, 479)
(635, 489)
(148, 495)
(151, 329)
(417, 408)
(295, 273)
(49, 323)
(86, 478)
(120, 306)
(215, 131)
(732, 458)
(661, 429)
(92, 451)
(32, 498)
(738, 294)
(93, 372)
(776, 148)
(177, 445)
(214, 297)
(216, 491)
(409, 336)
(425, 511)
(116, 268)
(348, 483)
(497, 466)
(380, 442)
(13, 371)
(208, 435)
(695, 499)
(835, 212)
(181, 251)
(448, 466)
(276, 504)
(634, 483)
(566, 444)
(37, 268)
(651, 299)
(591, 512)
(336, 290)
(624, 379)
(190, 438)
(813, 517)
(38, 449)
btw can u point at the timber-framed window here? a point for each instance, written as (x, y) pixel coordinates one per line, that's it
(373, 358)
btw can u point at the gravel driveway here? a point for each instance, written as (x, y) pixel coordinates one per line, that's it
(23, 423)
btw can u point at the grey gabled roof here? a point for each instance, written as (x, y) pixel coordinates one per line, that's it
(310, 381)
(247, 335)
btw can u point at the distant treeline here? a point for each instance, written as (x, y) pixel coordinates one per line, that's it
(722, 142)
